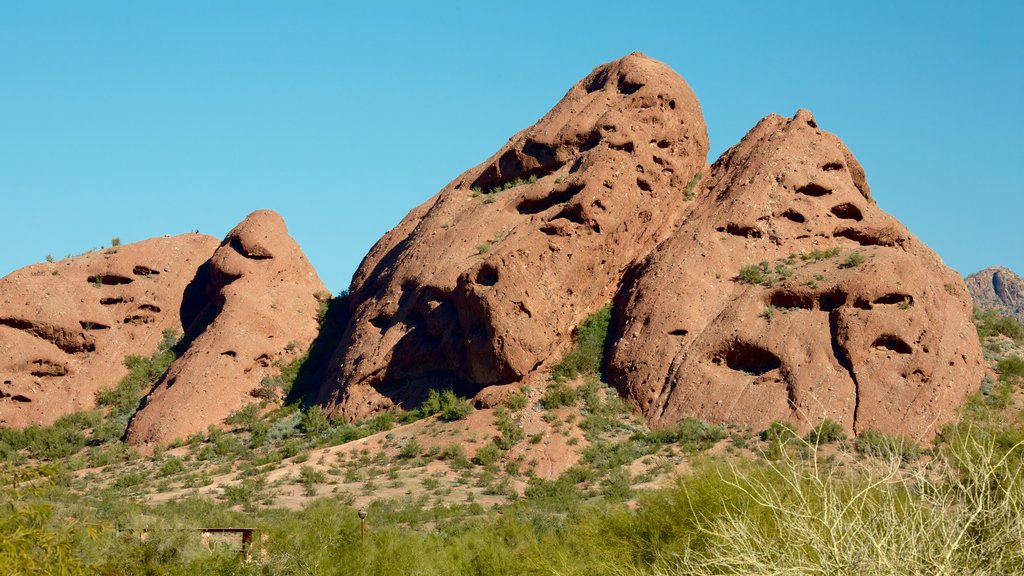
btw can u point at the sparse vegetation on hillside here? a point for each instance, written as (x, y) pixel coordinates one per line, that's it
(587, 353)
(991, 323)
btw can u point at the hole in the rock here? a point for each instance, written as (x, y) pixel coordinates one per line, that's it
(627, 147)
(847, 211)
(812, 123)
(831, 300)
(831, 166)
(236, 245)
(678, 332)
(542, 152)
(92, 325)
(230, 353)
(893, 343)
(867, 237)
(813, 189)
(794, 216)
(48, 368)
(598, 81)
(109, 279)
(149, 307)
(487, 275)
(672, 104)
(663, 144)
(144, 271)
(380, 321)
(627, 86)
(139, 319)
(744, 231)
(748, 358)
(793, 299)
(111, 301)
(263, 360)
(554, 198)
(20, 398)
(643, 184)
(895, 298)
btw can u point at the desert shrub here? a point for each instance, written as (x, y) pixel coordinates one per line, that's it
(778, 432)
(245, 492)
(992, 323)
(886, 446)
(816, 255)
(559, 394)
(411, 449)
(1010, 368)
(826, 432)
(853, 260)
(518, 400)
(143, 372)
(753, 274)
(587, 353)
(314, 421)
(690, 433)
(244, 418)
(486, 455)
(170, 467)
(511, 432)
(446, 403)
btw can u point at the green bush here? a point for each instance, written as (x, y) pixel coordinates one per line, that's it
(446, 403)
(992, 323)
(411, 449)
(142, 374)
(853, 260)
(486, 455)
(826, 432)
(314, 421)
(587, 353)
(778, 432)
(171, 467)
(559, 394)
(880, 445)
(1010, 368)
(754, 273)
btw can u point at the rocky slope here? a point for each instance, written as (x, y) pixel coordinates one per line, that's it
(66, 326)
(849, 318)
(254, 306)
(486, 280)
(483, 284)
(998, 287)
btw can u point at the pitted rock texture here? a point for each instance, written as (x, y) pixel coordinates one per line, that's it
(474, 288)
(66, 326)
(877, 336)
(998, 287)
(253, 306)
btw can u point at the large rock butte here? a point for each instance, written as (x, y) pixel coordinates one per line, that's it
(252, 305)
(66, 326)
(999, 288)
(474, 289)
(477, 288)
(871, 331)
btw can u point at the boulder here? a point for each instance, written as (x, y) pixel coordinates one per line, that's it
(788, 294)
(254, 307)
(484, 283)
(67, 326)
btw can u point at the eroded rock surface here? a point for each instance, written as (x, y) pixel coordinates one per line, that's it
(855, 320)
(253, 306)
(1000, 288)
(66, 326)
(474, 289)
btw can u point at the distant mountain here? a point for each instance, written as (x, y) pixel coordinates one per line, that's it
(1000, 288)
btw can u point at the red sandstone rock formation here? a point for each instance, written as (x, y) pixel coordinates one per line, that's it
(485, 281)
(66, 326)
(877, 336)
(260, 309)
(998, 287)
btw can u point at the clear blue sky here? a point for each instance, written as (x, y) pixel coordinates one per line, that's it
(136, 119)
